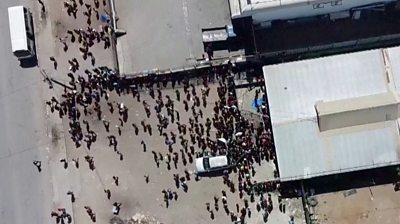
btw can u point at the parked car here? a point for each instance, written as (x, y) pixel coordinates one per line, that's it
(211, 163)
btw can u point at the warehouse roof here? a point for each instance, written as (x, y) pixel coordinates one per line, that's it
(296, 89)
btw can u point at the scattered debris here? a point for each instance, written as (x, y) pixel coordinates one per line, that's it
(349, 192)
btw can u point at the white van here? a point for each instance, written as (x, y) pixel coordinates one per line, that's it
(21, 32)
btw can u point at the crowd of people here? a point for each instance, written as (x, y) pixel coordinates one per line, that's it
(84, 91)
(225, 132)
(244, 141)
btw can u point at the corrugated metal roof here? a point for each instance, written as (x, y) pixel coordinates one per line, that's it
(293, 90)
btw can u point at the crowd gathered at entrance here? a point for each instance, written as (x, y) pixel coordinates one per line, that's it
(225, 132)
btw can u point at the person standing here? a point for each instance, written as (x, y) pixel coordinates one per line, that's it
(108, 193)
(116, 208)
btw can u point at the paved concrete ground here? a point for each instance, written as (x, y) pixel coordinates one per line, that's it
(139, 197)
(165, 34)
(370, 205)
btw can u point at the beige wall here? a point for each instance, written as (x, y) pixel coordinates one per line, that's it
(357, 111)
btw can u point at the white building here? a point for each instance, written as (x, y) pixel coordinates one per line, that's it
(335, 114)
(265, 11)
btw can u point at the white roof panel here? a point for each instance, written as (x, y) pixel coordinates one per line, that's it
(304, 153)
(17, 28)
(294, 88)
(218, 161)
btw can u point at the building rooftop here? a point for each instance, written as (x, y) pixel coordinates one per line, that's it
(295, 92)
(268, 10)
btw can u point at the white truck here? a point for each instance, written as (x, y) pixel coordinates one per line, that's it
(21, 32)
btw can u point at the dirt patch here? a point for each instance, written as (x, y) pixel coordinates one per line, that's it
(116, 220)
(59, 29)
(55, 135)
(136, 219)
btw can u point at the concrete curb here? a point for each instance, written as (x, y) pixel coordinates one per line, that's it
(239, 59)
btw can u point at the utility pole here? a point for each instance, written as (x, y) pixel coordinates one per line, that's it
(50, 80)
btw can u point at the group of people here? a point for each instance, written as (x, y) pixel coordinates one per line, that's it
(246, 142)
(72, 8)
(83, 93)
(61, 216)
(225, 132)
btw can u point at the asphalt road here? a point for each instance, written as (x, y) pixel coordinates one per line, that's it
(25, 194)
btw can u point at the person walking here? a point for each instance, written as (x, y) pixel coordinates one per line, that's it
(178, 95)
(90, 160)
(92, 58)
(72, 35)
(76, 161)
(65, 163)
(72, 196)
(136, 129)
(116, 180)
(144, 145)
(55, 64)
(121, 156)
(106, 125)
(38, 164)
(119, 130)
(108, 193)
